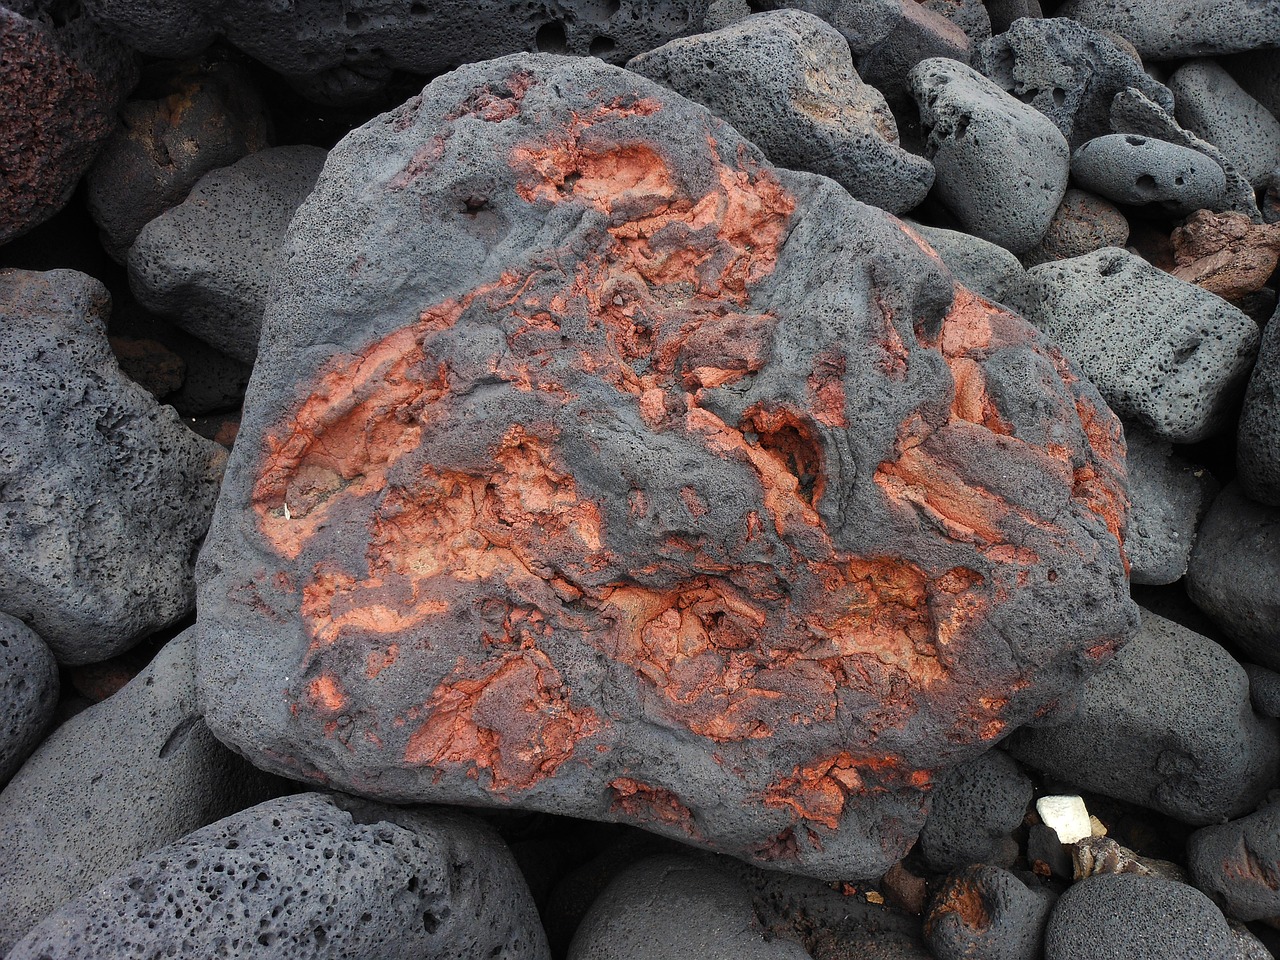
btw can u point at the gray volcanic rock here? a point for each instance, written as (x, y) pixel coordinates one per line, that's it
(785, 80)
(1236, 864)
(116, 494)
(207, 262)
(196, 118)
(1169, 29)
(717, 458)
(28, 693)
(984, 267)
(1264, 689)
(1066, 71)
(1170, 497)
(114, 782)
(974, 812)
(335, 51)
(1233, 573)
(969, 15)
(1138, 918)
(1003, 13)
(1258, 432)
(1082, 224)
(1258, 72)
(984, 911)
(61, 81)
(1138, 170)
(1167, 725)
(308, 876)
(1213, 106)
(1161, 351)
(1001, 165)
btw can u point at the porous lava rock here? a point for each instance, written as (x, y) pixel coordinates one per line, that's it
(1213, 106)
(308, 876)
(1138, 170)
(986, 268)
(969, 15)
(1083, 223)
(590, 464)
(28, 693)
(1226, 253)
(1169, 29)
(1258, 431)
(111, 492)
(984, 911)
(973, 813)
(1238, 864)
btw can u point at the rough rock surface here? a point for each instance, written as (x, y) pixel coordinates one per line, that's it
(1001, 166)
(1167, 725)
(1169, 29)
(195, 117)
(1238, 864)
(1138, 918)
(1233, 573)
(336, 51)
(1258, 432)
(608, 470)
(1226, 253)
(113, 493)
(1213, 106)
(115, 782)
(969, 15)
(207, 262)
(308, 876)
(1258, 72)
(986, 268)
(28, 693)
(60, 86)
(1003, 13)
(1162, 352)
(1138, 170)
(974, 812)
(1082, 224)
(1264, 689)
(984, 911)
(1067, 71)
(785, 80)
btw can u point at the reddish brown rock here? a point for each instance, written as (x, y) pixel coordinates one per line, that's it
(1226, 253)
(593, 465)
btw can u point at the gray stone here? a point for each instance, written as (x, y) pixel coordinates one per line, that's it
(1264, 689)
(1163, 352)
(1138, 170)
(1169, 498)
(1066, 71)
(113, 783)
(725, 13)
(1169, 29)
(984, 911)
(974, 812)
(308, 876)
(1082, 224)
(1247, 946)
(785, 80)
(114, 493)
(207, 262)
(1214, 107)
(980, 265)
(969, 15)
(1138, 918)
(1001, 166)
(28, 693)
(1004, 12)
(1258, 433)
(1234, 572)
(1258, 72)
(1237, 864)
(1167, 725)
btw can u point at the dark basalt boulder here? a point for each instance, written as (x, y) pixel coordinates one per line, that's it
(592, 465)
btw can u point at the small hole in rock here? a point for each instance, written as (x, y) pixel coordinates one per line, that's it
(602, 46)
(1135, 141)
(1145, 183)
(551, 38)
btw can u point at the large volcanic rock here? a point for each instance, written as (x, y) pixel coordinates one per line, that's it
(592, 465)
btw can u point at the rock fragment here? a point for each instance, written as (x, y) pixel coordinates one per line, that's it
(1003, 13)
(974, 812)
(971, 16)
(985, 911)
(1083, 223)
(1237, 864)
(1226, 253)
(28, 693)
(1171, 29)
(1215, 108)
(1258, 432)
(1137, 170)
(984, 267)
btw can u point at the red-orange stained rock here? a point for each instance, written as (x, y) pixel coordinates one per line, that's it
(817, 792)
(325, 693)
(645, 803)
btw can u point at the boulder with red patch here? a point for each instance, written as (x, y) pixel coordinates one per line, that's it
(593, 465)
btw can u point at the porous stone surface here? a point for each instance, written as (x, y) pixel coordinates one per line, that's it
(984, 911)
(1001, 165)
(785, 80)
(308, 876)
(60, 85)
(1003, 13)
(111, 784)
(1213, 106)
(116, 494)
(986, 268)
(28, 693)
(207, 262)
(1139, 918)
(1258, 431)
(973, 813)
(1161, 351)
(1258, 72)
(1170, 496)
(193, 117)
(1083, 223)
(1238, 863)
(1233, 570)
(1226, 253)
(1169, 29)
(333, 51)
(1264, 689)
(969, 15)
(1166, 725)
(1138, 170)
(592, 465)
(1067, 71)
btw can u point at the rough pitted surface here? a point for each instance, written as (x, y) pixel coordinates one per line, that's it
(309, 876)
(1138, 170)
(1167, 725)
(207, 262)
(1258, 72)
(969, 15)
(593, 465)
(984, 911)
(1163, 352)
(115, 782)
(1226, 253)
(1139, 918)
(116, 493)
(28, 693)
(785, 80)
(986, 268)
(333, 50)
(1169, 29)
(1233, 573)
(1003, 13)
(1238, 864)
(1082, 224)
(59, 90)
(1213, 106)
(1001, 165)
(974, 812)
(1258, 432)
(1066, 71)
